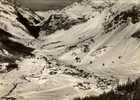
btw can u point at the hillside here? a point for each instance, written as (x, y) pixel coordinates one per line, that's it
(128, 91)
(15, 34)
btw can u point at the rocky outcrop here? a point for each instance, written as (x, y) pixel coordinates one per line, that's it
(7, 67)
(129, 13)
(71, 15)
(136, 34)
(88, 8)
(58, 22)
(21, 22)
(9, 23)
(30, 20)
(11, 46)
(10, 51)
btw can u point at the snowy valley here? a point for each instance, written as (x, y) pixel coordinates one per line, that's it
(84, 49)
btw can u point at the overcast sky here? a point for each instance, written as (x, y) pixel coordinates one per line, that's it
(46, 4)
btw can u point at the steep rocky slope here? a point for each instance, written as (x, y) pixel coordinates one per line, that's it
(12, 18)
(30, 20)
(14, 34)
(59, 22)
(86, 8)
(71, 15)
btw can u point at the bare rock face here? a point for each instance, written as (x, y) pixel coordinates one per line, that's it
(88, 8)
(8, 44)
(12, 36)
(9, 23)
(129, 13)
(30, 20)
(10, 52)
(58, 22)
(21, 22)
(78, 12)
(136, 34)
(7, 67)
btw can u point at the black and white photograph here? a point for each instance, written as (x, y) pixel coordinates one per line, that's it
(69, 49)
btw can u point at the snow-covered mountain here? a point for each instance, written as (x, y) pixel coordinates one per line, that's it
(12, 17)
(59, 22)
(71, 15)
(16, 27)
(85, 49)
(86, 8)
